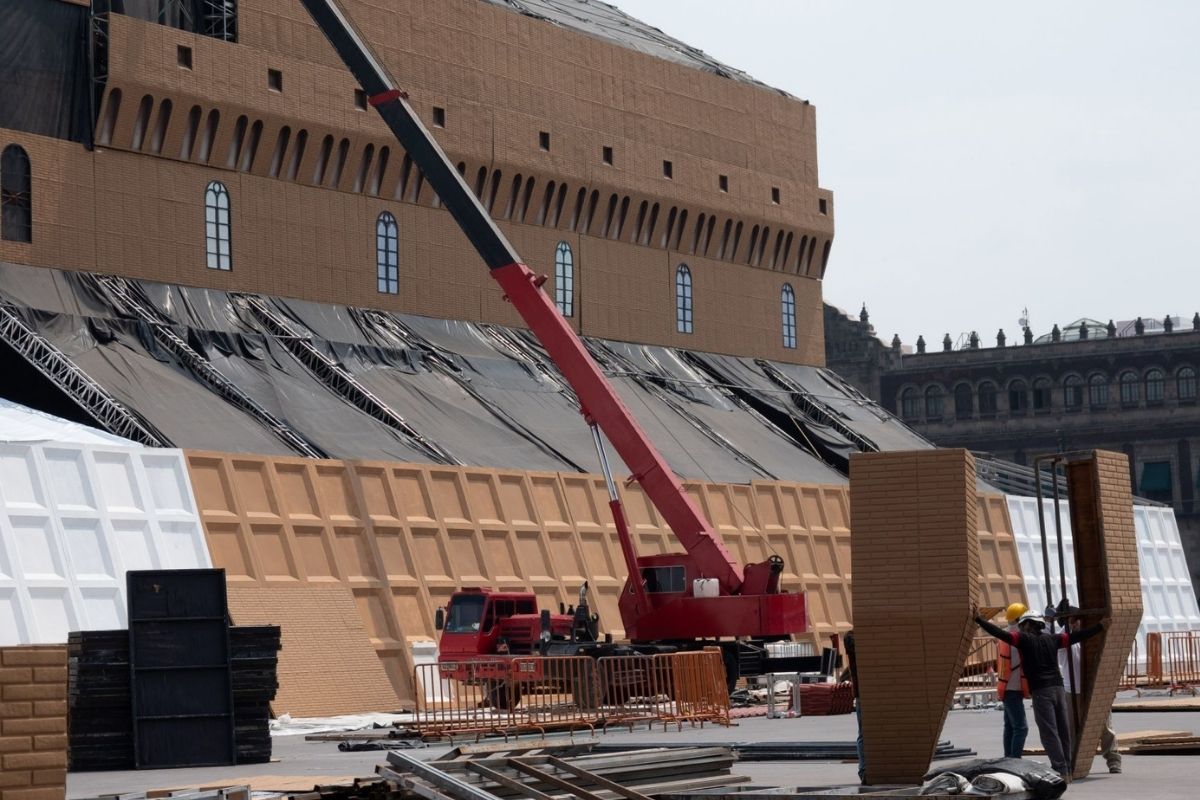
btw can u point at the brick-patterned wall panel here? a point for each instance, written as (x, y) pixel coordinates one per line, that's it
(33, 722)
(1106, 567)
(1001, 580)
(402, 538)
(916, 565)
(328, 665)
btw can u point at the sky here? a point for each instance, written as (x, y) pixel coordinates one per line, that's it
(987, 157)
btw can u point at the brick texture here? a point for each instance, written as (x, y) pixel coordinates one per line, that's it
(327, 665)
(916, 559)
(33, 719)
(1106, 564)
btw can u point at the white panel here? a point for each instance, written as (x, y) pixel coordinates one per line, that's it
(52, 614)
(135, 545)
(1168, 597)
(170, 488)
(12, 621)
(18, 485)
(73, 520)
(68, 479)
(118, 484)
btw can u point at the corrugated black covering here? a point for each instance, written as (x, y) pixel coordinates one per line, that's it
(484, 395)
(44, 76)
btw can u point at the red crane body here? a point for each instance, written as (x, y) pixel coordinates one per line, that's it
(658, 602)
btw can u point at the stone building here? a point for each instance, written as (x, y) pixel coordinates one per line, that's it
(1129, 386)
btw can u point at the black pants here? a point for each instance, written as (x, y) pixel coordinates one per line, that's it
(1052, 713)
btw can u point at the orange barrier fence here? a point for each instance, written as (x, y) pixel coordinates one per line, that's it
(1135, 672)
(980, 670)
(535, 693)
(1181, 652)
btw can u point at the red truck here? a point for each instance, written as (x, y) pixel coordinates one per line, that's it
(688, 600)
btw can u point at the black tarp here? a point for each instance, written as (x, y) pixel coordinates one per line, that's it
(485, 395)
(45, 80)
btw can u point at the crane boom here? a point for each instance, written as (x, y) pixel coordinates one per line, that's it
(601, 405)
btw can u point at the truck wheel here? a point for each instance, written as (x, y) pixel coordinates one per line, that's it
(503, 696)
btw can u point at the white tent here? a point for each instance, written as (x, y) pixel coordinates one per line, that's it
(20, 423)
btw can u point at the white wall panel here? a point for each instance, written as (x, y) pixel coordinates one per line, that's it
(73, 520)
(1168, 597)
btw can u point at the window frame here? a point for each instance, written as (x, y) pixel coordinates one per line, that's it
(1074, 393)
(387, 254)
(1097, 391)
(934, 399)
(218, 227)
(910, 404)
(1018, 389)
(970, 405)
(987, 389)
(564, 279)
(1130, 389)
(787, 300)
(685, 321)
(1041, 395)
(1190, 395)
(16, 195)
(1157, 379)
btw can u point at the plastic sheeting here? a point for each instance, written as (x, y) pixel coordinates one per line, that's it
(1168, 597)
(73, 519)
(44, 74)
(485, 395)
(608, 22)
(21, 424)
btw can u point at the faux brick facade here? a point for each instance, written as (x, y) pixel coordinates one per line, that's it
(33, 723)
(916, 560)
(303, 223)
(1106, 563)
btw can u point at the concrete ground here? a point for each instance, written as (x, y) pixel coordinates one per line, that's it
(1158, 777)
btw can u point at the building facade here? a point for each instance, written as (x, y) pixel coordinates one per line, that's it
(674, 202)
(1131, 388)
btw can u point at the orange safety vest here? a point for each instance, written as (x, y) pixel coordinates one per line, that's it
(1004, 670)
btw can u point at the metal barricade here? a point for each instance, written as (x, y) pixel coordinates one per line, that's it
(1182, 660)
(1154, 660)
(632, 688)
(699, 692)
(1134, 674)
(505, 696)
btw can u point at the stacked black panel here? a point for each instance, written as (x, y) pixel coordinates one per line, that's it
(253, 650)
(99, 718)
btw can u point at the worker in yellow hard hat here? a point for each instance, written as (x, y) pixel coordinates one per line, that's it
(1012, 688)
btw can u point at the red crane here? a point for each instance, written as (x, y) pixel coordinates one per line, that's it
(659, 602)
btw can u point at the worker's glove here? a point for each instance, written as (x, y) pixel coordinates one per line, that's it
(1061, 609)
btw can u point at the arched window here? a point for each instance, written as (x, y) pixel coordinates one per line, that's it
(933, 403)
(1129, 388)
(964, 401)
(1073, 393)
(1043, 395)
(16, 195)
(987, 399)
(387, 254)
(910, 404)
(1098, 391)
(217, 227)
(683, 299)
(564, 279)
(787, 299)
(1154, 386)
(1018, 397)
(1186, 384)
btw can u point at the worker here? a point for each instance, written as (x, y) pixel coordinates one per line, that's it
(852, 661)
(1073, 621)
(1013, 688)
(1039, 662)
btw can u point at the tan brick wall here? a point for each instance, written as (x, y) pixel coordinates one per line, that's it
(1109, 580)
(916, 562)
(33, 722)
(135, 206)
(327, 665)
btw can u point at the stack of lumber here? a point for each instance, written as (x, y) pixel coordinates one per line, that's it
(99, 720)
(254, 660)
(1167, 745)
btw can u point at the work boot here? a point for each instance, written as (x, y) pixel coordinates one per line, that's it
(1115, 769)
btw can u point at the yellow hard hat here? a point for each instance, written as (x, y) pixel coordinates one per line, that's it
(1014, 612)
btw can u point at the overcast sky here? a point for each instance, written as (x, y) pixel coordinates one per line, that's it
(987, 157)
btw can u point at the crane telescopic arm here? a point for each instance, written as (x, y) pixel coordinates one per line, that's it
(601, 404)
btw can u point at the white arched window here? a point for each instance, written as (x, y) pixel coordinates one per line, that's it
(387, 254)
(564, 279)
(683, 299)
(217, 227)
(787, 300)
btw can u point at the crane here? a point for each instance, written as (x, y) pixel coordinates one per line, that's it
(700, 595)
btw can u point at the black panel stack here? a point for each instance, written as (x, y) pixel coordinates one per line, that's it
(195, 692)
(254, 651)
(98, 701)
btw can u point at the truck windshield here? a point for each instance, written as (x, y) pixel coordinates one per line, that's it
(465, 614)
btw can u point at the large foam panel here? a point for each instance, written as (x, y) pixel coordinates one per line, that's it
(916, 560)
(1168, 597)
(33, 722)
(73, 519)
